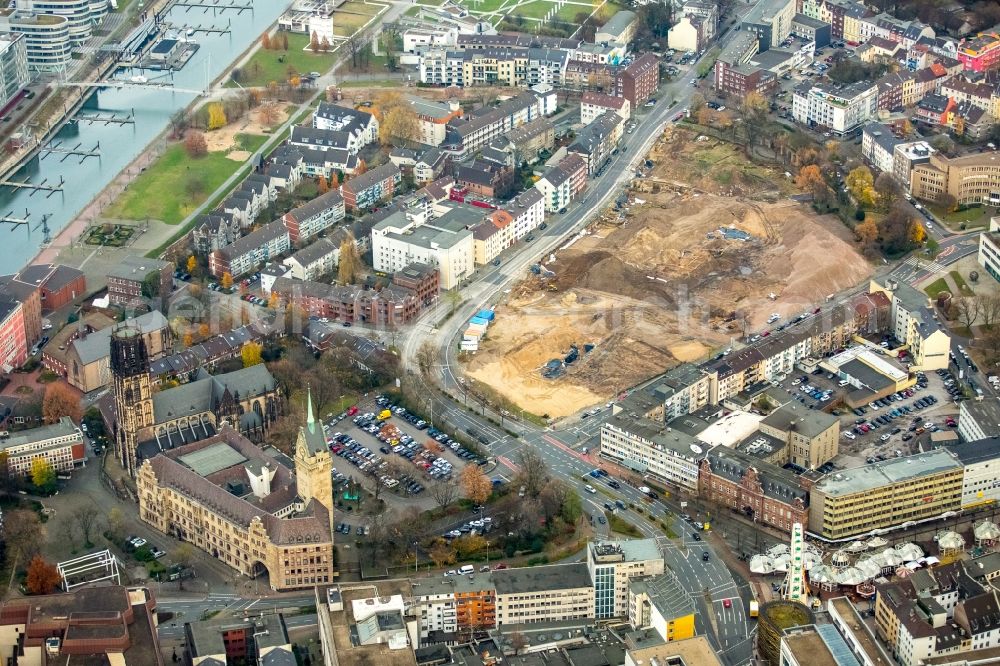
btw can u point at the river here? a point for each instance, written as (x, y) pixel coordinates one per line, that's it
(120, 144)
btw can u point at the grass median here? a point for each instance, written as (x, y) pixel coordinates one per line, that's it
(621, 526)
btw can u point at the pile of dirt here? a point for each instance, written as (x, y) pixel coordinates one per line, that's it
(676, 276)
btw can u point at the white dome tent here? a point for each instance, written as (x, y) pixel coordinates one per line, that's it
(857, 547)
(986, 533)
(840, 559)
(850, 576)
(910, 552)
(950, 543)
(877, 542)
(761, 564)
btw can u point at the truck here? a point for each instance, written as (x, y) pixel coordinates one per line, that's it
(754, 608)
(384, 415)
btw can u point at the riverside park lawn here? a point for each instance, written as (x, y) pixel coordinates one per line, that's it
(176, 184)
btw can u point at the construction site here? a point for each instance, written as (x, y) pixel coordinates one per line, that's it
(703, 248)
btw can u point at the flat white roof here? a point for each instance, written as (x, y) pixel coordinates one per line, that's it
(871, 359)
(731, 429)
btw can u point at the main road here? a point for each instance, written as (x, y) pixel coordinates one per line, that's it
(561, 447)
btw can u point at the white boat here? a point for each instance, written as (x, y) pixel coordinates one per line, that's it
(190, 31)
(138, 78)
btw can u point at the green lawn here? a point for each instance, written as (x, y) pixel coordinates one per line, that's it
(165, 191)
(273, 65)
(346, 25)
(936, 287)
(959, 281)
(972, 218)
(535, 10)
(484, 6)
(361, 8)
(570, 10)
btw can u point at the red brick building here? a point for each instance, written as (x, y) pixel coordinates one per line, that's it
(423, 280)
(759, 490)
(58, 285)
(740, 80)
(638, 81)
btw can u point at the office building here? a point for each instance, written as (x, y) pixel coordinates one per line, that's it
(763, 492)
(812, 437)
(989, 249)
(770, 21)
(905, 156)
(886, 494)
(82, 15)
(971, 179)
(249, 510)
(612, 564)
(649, 447)
(552, 593)
(60, 445)
(980, 460)
(109, 624)
(13, 67)
(978, 419)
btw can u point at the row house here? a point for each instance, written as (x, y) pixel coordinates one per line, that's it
(844, 16)
(596, 142)
(980, 95)
(888, 27)
(314, 217)
(254, 249)
(878, 146)
(639, 80)
(215, 231)
(594, 104)
(897, 90)
(505, 226)
(371, 187)
(562, 183)
(934, 109)
(129, 277)
(929, 80)
(247, 203)
(524, 143)
(185, 365)
(487, 179)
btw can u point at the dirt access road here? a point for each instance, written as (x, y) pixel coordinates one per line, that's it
(689, 263)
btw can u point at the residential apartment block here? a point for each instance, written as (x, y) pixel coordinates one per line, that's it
(314, 217)
(47, 43)
(981, 52)
(989, 249)
(841, 109)
(316, 259)
(667, 455)
(371, 187)
(638, 80)
(593, 105)
(247, 253)
(596, 142)
(878, 146)
(446, 242)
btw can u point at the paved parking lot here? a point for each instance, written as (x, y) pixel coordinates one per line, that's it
(897, 421)
(400, 452)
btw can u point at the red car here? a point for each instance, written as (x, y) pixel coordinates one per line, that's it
(500, 567)
(352, 411)
(727, 603)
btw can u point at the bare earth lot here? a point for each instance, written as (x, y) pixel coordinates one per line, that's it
(661, 284)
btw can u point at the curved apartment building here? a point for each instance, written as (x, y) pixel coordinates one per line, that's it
(83, 15)
(47, 38)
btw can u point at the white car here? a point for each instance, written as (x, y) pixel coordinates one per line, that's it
(850, 435)
(590, 489)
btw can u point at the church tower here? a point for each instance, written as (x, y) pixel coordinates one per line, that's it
(132, 392)
(313, 464)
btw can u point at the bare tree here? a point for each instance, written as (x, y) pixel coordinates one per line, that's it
(967, 311)
(426, 355)
(989, 310)
(533, 470)
(355, 47)
(444, 493)
(518, 641)
(86, 517)
(23, 534)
